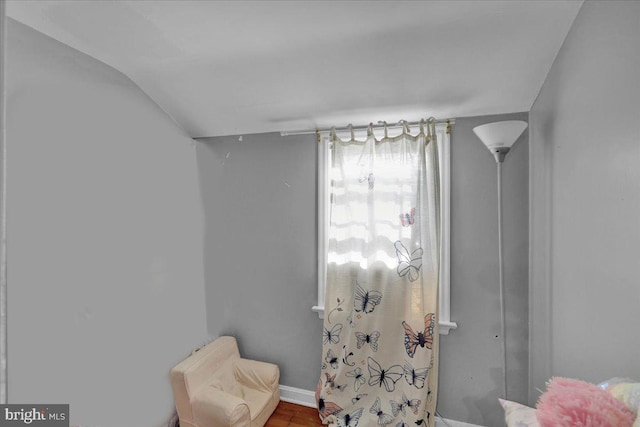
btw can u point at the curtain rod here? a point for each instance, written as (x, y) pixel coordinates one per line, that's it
(380, 125)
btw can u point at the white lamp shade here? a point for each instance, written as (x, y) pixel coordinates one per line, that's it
(500, 134)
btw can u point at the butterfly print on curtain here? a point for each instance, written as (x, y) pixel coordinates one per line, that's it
(423, 339)
(387, 377)
(331, 359)
(383, 418)
(331, 382)
(327, 408)
(422, 421)
(358, 378)
(351, 419)
(332, 335)
(371, 339)
(366, 301)
(403, 404)
(407, 219)
(408, 263)
(415, 377)
(370, 179)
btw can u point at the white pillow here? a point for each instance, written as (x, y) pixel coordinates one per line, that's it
(517, 415)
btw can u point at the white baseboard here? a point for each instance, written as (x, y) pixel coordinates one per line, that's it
(298, 396)
(308, 398)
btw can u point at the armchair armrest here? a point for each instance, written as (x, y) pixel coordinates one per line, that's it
(214, 407)
(258, 375)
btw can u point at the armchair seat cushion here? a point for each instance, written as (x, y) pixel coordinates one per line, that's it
(261, 404)
(215, 387)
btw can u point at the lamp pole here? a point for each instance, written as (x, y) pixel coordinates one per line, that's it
(498, 138)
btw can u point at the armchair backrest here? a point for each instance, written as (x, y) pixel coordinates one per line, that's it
(211, 365)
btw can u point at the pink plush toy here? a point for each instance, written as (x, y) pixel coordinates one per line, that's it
(573, 403)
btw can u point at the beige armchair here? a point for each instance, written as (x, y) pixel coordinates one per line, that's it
(214, 387)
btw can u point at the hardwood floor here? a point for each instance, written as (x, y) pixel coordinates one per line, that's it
(290, 415)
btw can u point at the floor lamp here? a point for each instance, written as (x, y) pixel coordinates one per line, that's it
(498, 138)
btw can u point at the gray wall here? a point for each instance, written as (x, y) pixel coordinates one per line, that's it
(260, 249)
(259, 196)
(585, 195)
(3, 216)
(105, 280)
(471, 356)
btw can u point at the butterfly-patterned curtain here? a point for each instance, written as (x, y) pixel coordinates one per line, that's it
(380, 337)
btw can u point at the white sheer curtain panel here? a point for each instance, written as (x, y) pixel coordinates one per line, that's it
(380, 337)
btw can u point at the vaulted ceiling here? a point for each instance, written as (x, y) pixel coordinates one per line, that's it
(231, 67)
